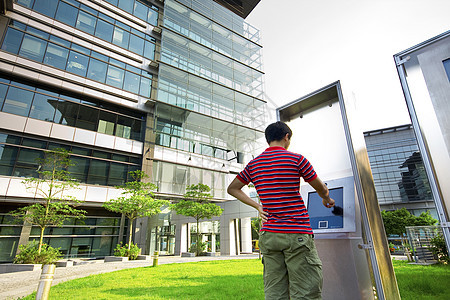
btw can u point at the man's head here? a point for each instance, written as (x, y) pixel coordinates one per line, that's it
(277, 132)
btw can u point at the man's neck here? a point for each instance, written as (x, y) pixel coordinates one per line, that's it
(278, 144)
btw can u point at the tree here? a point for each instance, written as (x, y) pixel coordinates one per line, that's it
(54, 205)
(137, 201)
(197, 204)
(395, 221)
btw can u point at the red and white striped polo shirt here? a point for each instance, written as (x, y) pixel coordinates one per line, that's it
(276, 175)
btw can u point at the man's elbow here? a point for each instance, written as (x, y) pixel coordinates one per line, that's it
(230, 190)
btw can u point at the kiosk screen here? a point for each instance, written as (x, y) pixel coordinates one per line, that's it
(326, 218)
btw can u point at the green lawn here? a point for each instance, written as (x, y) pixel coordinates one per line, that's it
(422, 282)
(228, 279)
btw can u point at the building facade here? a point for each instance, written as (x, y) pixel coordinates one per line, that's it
(398, 170)
(173, 88)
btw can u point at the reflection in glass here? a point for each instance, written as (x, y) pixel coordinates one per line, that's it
(32, 48)
(87, 118)
(43, 107)
(18, 101)
(56, 56)
(66, 13)
(104, 30)
(12, 41)
(97, 70)
(86, 22)
(77, 63)
(67, 113)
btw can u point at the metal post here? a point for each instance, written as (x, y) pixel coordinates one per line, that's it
(45, 282)
(155, 258)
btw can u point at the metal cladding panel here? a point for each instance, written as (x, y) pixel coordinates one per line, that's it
(240, 7)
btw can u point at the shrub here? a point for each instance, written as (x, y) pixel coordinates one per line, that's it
(122, 250)
(201, 245)
(439, 249)
(29, 254)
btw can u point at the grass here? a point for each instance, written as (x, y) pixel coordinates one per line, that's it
(228, 279)
(422, 282)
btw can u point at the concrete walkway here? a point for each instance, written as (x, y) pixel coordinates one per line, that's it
(20, 284)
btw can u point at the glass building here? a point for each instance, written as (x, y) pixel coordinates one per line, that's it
(173, 88)
(398, 170)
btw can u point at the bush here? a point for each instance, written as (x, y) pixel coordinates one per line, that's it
(193, 248)
(28, 254)
(122, 251)
(439, 249)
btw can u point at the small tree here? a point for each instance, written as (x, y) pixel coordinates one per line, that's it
(54, 205)
(395, 221)
(137, 201)
(197, 205)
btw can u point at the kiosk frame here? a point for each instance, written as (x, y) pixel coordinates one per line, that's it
(374, 238)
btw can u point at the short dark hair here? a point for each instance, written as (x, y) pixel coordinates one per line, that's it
(277, 131)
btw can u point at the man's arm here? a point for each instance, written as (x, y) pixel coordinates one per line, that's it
(235, 190)
(323, 192)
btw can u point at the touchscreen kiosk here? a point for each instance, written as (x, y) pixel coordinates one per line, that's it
(322, 217)
(340, 218)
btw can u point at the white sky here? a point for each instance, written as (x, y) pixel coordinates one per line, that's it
(309, 44)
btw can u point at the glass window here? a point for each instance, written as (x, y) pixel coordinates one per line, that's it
(447, 67)
(145, 87)
(18, 101)
(32, 48)
(66, 113)
(124, 125)
(126, 5)
(56, 56)
(136, 130)
(66, 13)
(136, 44)
(12, 41)
(27, 165)
(80, 168)
(98, 172)
(104, 30)
(117, 63)
(87, 118)
(3, 90)
(106, 122)
(101, 154)
(117, 174)
(119, 157)
(149, 50)
(43, 107)
(113, 2)
(34, 143)
(60, 41)
(131, 82)
(140, 10)
(115, 76)
(46, 7)
(97, 70)
(86, 22)
(120, 37)
(152, 17)
(77, 63)
(26, 3)
(8, 156)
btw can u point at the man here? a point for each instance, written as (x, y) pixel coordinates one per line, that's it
(292, 268)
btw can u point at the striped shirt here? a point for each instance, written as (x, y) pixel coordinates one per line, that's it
(276, 175)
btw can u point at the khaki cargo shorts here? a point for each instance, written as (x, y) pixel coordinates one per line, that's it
(292, 267)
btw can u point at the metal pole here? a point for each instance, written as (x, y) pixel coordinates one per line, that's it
(155, 258)
(45, 282)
